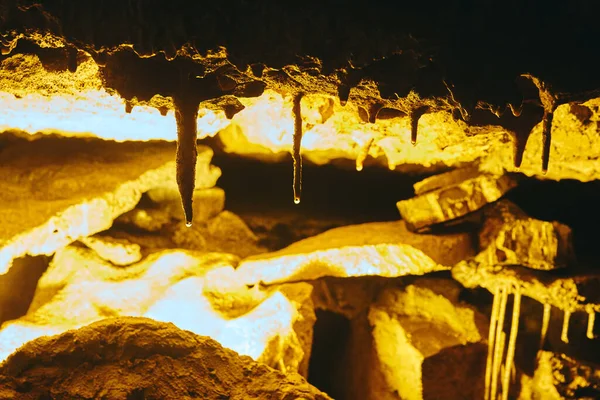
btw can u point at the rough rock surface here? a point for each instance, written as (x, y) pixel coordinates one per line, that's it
(428, 342)
(225, 232)
(417, 60)
(453, 200)
(141, 358)
(57, 190)
(571, 293)
(383, 248)
(558, 376)
(115, 251)
(193, 290)
(510, 237)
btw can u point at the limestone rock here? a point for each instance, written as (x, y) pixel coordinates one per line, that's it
(438, 202)
(142, 358)
(429, 343)
(383, 248)
(510, 237)
(570, 293)
(57, 190)
(196, 291)
(225, 233)
(558, 376)
(113, 250)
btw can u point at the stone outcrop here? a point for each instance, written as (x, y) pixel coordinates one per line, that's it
(510, 237)
(430, 345)
(447, 197)
(141, 358)
(57, 190)
(384, 249)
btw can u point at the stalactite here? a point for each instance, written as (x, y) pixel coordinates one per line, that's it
(498, 356)
(374, 111)
(590, 324)
(500, 341)
(186, 114)
(546, 140)
(545, 324)
(296, 156)
(128, 107)
(564, 335)
(491, 342)
(414, 117)
(72, 59)
(362, 155)
(512, 342)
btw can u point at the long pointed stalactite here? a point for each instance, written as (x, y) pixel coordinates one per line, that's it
(414, 116)
(546, 139)
(549, 103)
(296, 156)
(186, 115)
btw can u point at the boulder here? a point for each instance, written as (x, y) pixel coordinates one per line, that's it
(128, 358)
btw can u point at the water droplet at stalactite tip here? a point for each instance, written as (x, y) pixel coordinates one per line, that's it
(188, 224)
(296, 156)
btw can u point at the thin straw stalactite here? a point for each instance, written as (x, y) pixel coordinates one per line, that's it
(491, 342)
(296, 156)
(499, 344)
(512, 342)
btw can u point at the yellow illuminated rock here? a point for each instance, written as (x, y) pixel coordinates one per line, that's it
(429, 344)
(115, 251)
(383, 249)
(76, 104)
(57, 190)
(453, 200)
(196, 291)
(510, 237)
(40, 100)
(167, 362)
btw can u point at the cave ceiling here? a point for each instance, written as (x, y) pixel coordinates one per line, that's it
(472, 77)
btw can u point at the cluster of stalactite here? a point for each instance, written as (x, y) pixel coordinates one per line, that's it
(500, 368)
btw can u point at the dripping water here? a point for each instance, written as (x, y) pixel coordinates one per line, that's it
(296, 154)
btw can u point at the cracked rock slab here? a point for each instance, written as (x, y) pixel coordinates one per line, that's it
(57, 190)
(442, 198)
(510, 237)
(142, 357)
(382, 249)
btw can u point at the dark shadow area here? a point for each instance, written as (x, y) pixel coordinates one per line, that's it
(18, 285)
(327, 191)
(570, 202)
(330, 342)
